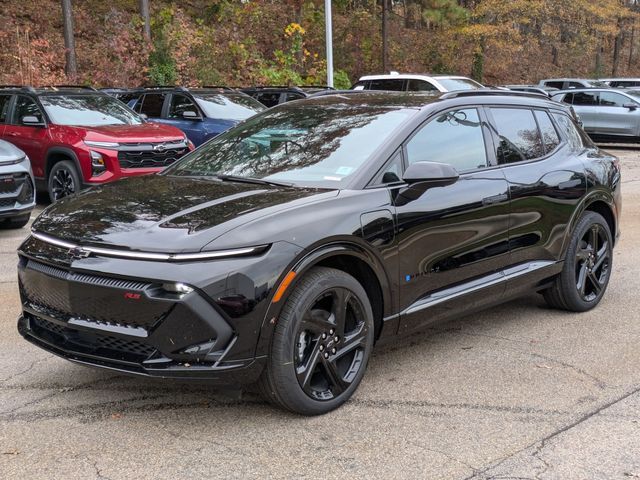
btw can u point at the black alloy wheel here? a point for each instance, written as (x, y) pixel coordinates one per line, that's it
(593, 258)
(587, 266)
(63, 181)
(321, 345)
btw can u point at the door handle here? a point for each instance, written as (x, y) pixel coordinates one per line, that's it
(12, 134)
(503, 197)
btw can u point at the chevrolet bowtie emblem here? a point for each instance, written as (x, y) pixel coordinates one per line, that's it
(78, 253)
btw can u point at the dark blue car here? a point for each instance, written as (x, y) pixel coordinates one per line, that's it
(201, 113)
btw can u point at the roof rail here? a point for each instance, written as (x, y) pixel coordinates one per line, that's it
(81, 87)
(488, 93)
(158, 87)
(12, 86)
(218, 87)
(324, 87)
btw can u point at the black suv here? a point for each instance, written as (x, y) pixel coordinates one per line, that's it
(272, 96)
(282, 250)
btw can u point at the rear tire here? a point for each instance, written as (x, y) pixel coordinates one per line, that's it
(321, 344)
(63, 180)
(587, 267)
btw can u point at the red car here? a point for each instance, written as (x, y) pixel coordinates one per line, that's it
(78, 137)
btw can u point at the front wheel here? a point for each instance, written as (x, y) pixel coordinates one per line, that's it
(63, 180)
(321, 344)
(587, 266)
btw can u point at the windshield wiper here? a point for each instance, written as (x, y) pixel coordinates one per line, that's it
(258, 181)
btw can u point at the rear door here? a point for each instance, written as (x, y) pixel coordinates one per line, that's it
(151, 105)
(33, 140)
(452, 240)
(586, 106)
(546, 181)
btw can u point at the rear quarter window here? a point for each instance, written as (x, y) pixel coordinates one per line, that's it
(569, 130)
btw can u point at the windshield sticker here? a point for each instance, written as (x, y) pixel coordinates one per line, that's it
(333, 179)
(344, 171)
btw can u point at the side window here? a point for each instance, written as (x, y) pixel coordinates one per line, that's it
(387, 84)
(550, 137)
(585, 98)
(554, 84)
(421, 86)
(611, 99)
(570, 131)
(293, 96)
(568, 98)
(4, 108)
(129, 98)
(575, 85)
(391, 172)
(454, 137)
(268, 99)
(26, 107)
(519, 135)
(152, 104)
(180, 104)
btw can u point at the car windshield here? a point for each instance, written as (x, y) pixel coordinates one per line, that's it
(452, 84)
(634, 93)
(228, 106)
(88, 110)
(304, 144)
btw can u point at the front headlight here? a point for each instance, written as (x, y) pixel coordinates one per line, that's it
(97, 163)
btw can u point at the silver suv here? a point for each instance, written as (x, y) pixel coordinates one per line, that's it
(415, 83)
(606, 113)
(17, 194)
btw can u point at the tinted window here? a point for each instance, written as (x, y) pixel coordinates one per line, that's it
(25, 106)
(585, 98)
(298, 143)
(519, 135)
(554, 84)
(88, 110)
(454, 137)
(550, 137)
(611, 99)
(4, 107)
(268, 99)
(391, 172)
(624, 83)
(293, 96)
(575, 85)
(179, 105)
(387, 84)
(569, 130)
(421, 86)
(152, 104)
(128, 98)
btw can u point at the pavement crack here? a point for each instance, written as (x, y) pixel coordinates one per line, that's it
(26, 370)
(599, 383)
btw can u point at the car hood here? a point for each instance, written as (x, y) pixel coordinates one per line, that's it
(148, 131)
(9, 153)
(160, 213)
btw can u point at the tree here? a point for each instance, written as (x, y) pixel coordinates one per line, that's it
(146, 18)
(71, 68)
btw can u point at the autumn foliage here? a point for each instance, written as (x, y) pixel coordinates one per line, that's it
(196, 42)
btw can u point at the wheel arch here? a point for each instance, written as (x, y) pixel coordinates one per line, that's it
(349, 257)
(59, 154)
(599, 202)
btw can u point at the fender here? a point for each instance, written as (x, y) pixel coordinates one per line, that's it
(308, 259)
(595, 195)
(69, 153)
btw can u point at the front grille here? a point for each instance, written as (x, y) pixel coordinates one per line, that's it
(149, 158)
(93, 342)
(7, 202)
(92, 298)
(16, 187)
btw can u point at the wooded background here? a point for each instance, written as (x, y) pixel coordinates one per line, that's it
(248, 42)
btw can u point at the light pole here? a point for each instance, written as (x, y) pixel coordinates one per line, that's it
(329, 35)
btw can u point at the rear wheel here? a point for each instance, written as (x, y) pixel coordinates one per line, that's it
(587, 267)
(63, 181)
(321, 344)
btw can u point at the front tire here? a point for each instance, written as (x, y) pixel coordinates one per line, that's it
(63, 181)
(587, 267)
(321, 344)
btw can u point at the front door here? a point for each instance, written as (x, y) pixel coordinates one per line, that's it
(613, 118)
(453, 240)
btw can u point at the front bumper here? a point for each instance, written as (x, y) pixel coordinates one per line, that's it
(17, 190)
(135, 327)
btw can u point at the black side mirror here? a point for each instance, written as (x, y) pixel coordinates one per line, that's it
(32, 121)
(421, 176)
(630, 106)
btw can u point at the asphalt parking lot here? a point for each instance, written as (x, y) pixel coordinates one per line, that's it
(515, 392)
